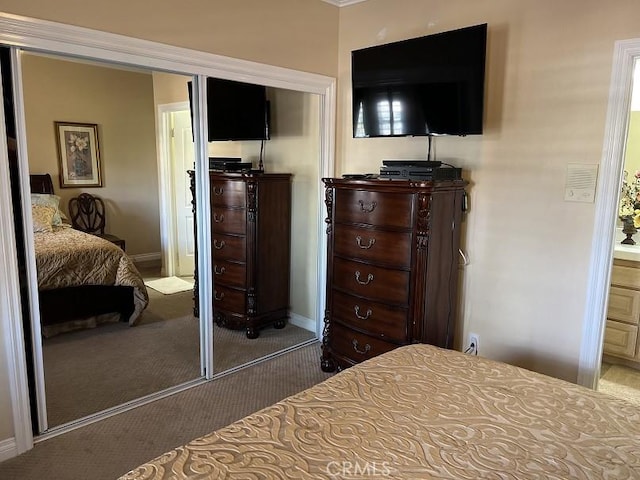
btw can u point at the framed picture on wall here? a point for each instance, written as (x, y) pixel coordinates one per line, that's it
(78, 154)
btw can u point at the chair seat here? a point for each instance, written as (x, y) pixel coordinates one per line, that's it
(113, 239)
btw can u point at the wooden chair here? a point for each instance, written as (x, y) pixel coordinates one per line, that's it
(88, 215)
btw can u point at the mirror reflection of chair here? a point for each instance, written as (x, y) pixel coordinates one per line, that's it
(88, 215)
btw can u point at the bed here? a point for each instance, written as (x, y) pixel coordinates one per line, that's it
(421, 412)
(83, 280)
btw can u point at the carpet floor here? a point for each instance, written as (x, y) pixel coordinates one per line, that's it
(88, 371)
(111, 447)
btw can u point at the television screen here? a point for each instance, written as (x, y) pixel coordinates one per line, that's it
(431, 85)
(236, 110)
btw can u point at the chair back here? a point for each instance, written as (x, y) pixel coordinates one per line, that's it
(87, 213)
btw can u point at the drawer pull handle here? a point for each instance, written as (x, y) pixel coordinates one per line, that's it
(220, 297)
(367, 208)
(362, 317)
(369, 278)
(372, 241)
(367, 347)
(218, 190)
(218, 271)
(218, 219)
(217, 245)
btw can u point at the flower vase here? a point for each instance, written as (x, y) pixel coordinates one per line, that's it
(629, 230)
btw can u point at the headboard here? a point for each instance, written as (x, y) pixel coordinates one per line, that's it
(41, 183)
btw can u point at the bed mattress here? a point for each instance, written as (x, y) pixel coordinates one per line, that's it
(421, 412)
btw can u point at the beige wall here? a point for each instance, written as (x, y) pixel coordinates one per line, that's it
(294, 148)
(121, 104)
(549, 67)
(298, 34)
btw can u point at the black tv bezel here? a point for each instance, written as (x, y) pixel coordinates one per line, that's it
(211, 135)
(475, 127)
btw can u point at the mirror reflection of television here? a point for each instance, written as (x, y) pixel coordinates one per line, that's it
(431, 85)
(236, 110)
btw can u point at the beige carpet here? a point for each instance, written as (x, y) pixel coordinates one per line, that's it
(91, 370)
(621, 382)
(110, 448)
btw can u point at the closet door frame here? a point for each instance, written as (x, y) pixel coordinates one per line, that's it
(22, 33)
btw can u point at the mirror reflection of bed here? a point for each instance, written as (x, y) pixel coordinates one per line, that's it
(98, 365)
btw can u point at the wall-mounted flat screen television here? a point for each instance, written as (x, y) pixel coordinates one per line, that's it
(431, 85)
(236, 110)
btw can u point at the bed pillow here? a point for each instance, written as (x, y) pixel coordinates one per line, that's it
(52, 201)
(42, 216)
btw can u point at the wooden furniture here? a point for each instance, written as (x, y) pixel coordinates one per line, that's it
(623, 315)
(74, 303)
(88, 215)
(392, 266)
(251, 229)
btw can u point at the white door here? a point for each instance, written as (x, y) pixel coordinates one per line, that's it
(182, 158)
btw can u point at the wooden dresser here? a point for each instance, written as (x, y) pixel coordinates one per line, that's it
(251, 235)
(392, 266)
(623, 314)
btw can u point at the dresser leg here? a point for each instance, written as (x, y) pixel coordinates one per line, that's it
(252, 332)
(280, 323)
(327, 365)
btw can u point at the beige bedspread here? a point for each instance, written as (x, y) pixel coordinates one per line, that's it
(420, 412)
(70, 258)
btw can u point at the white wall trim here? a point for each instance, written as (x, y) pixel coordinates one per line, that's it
(343, 3)
(8, 449)
(55, 38)
(609, 178)
(302, 322)
(10, 308)
(146, 257)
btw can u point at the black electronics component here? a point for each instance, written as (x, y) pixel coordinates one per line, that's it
(431, 85)
(408, 172)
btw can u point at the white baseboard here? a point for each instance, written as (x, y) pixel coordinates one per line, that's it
(302, 322)
(8, 449)
(146, 257)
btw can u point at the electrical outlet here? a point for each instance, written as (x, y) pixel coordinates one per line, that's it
(472, 344)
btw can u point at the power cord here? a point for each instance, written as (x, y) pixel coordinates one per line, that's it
(471, 348)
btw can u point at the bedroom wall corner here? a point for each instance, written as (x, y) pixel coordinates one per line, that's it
(120, 101)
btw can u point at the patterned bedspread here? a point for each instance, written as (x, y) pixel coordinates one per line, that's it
(70, 258)
(420, 412)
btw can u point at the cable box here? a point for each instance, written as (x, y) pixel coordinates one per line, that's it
(412, 163)
(420, 173)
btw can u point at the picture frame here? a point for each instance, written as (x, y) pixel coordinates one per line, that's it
(78, 154)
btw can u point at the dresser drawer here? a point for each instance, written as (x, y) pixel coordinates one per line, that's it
(620, 339)
(229, 193)
(357, 347)
(624, 305)
(378, 246)
(228, 247)
(375, 283)
(229, 220)
(373, 318)
(374, 208)
(229, 273)
(229, 299)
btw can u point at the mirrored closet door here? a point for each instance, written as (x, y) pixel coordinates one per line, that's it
(120, 138)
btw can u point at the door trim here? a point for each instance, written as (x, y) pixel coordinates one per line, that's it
(51, 37)
(168, 241)
(611, 168)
